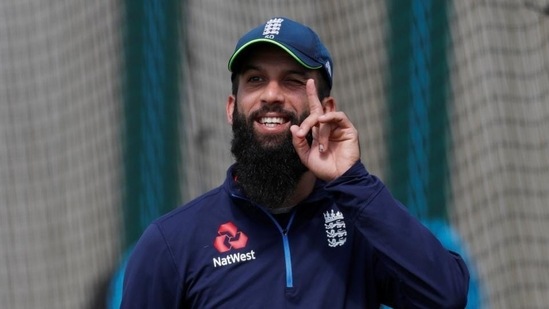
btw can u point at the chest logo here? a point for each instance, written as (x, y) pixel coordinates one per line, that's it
(336, 232)
(229, 237)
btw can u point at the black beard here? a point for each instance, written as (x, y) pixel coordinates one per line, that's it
(267, 168)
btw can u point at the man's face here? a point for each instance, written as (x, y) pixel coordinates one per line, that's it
(271, 97)
(271, 94)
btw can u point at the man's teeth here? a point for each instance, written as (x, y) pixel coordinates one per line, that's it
(271, 121)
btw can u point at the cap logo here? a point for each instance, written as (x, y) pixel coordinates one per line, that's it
(328, 68)
(272, 27)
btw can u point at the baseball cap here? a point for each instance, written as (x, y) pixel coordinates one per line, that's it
(298, 40)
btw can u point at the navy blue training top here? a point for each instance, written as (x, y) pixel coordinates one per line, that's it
(350, 244)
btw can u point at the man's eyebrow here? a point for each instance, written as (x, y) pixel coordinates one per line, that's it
(248, 67)
(300, 71)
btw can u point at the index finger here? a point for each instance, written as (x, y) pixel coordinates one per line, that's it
(315, 107)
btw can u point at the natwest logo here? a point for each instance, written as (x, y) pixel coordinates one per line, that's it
(229, 237)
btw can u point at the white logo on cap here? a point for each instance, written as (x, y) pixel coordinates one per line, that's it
(272, 27)
(328, 68)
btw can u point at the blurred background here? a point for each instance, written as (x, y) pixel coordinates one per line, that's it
(112, 113)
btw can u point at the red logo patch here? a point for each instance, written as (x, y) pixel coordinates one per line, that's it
(229, 238)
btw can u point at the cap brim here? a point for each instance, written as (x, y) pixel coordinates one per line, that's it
(296, 54)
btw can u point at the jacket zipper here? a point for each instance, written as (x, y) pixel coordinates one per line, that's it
(287, 253)
(285, 242)
(286, 245)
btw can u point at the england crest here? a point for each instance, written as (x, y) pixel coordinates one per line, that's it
(336, 232)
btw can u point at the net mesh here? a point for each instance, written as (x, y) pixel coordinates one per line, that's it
(59, 156)
(60, 118)
(500, 147)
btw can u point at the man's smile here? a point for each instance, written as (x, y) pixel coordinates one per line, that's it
(272, 121)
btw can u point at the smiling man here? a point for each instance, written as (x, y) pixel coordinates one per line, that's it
(271, 96)
(298, 222)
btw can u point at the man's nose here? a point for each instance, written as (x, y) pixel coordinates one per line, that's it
(272, 93)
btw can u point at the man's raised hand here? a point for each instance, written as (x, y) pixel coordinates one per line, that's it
(335, 140)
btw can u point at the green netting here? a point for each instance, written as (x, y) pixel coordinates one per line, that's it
(483, 156)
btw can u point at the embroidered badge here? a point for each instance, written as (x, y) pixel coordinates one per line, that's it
(272, 27)
(336, 231)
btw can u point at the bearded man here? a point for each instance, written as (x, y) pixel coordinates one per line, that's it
(299, 222)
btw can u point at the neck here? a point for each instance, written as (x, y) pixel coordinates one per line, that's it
(304, 188)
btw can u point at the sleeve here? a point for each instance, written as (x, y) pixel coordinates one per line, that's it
(151, 279)
(417, 272)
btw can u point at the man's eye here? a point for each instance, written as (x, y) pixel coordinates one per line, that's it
(254, 79)
(295, 81)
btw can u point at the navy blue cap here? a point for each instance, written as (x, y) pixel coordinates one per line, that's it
(298, 40)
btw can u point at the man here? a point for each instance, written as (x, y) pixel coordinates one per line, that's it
(298, 222)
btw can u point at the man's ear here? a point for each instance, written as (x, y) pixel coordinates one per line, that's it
(328, 104)
(231, 105)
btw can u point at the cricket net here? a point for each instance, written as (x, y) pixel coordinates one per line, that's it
(451, 102)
